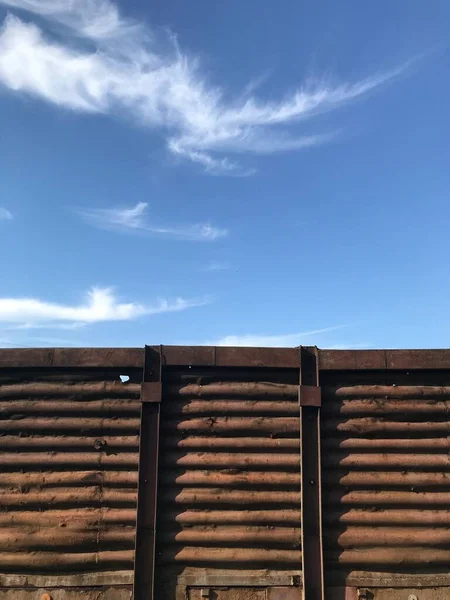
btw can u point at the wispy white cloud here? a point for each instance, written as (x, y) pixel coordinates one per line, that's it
(113, 64)
(273, 341)
(134, 220)
(215, 265)
(100, 305)
(5, 215)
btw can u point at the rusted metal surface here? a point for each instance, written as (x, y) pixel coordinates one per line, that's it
(73, 358)
(105, 593)
(230, 475)
(230, 357)
(68, 464)
(386, 477)
(248, 444)
(310, 395)
(382, 360)
(144, 569)
(151, 391)
(313, 575)
(245, 593)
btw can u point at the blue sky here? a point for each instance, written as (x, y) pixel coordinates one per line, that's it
(242, 173)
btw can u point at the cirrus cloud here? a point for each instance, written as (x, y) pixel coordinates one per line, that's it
(5, 215)
(111, 64)
(100, 305)
(134, 219)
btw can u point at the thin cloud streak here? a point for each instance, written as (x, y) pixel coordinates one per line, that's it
(100, 305)
(5, 215)
(272, 341)
(134, 220)
(130, 70)
(216, 266)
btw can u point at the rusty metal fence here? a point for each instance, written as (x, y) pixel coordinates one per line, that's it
(263, 474)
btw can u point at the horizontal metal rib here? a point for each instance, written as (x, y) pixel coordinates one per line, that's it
(229, 407)
(230, 460)
(275, 425)
(64, 407)
(199, 555)
(235, 536)
(213, 496)
(408, 392)
(239, 389)
(75, 425)
(68, 497)
(69, 479)
(220, 479)
(231, 443)
(225, 517)
(61, 390)
(394, 516)
(70, 518)
(65, 561)
(384, 497)
(67, 460)
(39, 443)
(408, 444)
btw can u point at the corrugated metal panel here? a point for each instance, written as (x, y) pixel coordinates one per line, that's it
(229, 484)
(386, 480)
(68, 470)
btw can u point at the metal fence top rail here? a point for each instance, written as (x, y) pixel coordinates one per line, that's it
(329, 360)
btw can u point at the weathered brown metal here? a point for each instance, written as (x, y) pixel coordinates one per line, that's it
(389, 407)
(92, 425)
(235, 443)
(387, 537)
(151, 391)
(388, 461)
(144, 568)
(68, 466)
(229, 357)
(67, 497)
(225, 556)
(385, 392)
(66, 442)
(221, 517)
(399, 556)
(365, 443)
(230, 473)
(74, 358)
(227, 479)
(200, 496)
(220, 407)
(78, 519)
(66, 460)
(311, 503)
(387, 479)
(310, 395)
(230, 483)
(393, 516)
(383, 360)
(387, 497)
(58, 479)
(67, 407)
(237, 389)
(64, 561)
(271, 425)
(104, 389)
(235, 535)
(369, 425)
(226, 460)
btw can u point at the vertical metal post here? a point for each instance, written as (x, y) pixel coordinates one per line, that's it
(310, 403)
(151, 393)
